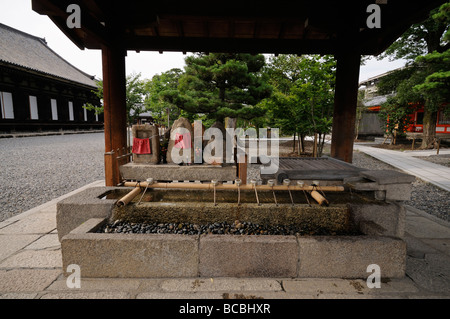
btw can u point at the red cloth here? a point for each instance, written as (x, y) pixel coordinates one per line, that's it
(182, 140)
(141, 146)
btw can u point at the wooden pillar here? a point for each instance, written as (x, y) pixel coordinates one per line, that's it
(345, 99)
(115, 117)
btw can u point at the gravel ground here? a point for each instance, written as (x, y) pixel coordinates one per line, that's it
(425, 196)
(35, 170)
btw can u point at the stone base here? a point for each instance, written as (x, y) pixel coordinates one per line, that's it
(168, 255)
(173, 172)
(75, 210)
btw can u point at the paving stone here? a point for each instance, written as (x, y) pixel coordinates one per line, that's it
(9, 244)
(101, 284)
(38, 223)
(346, 296)
(49, 241)
(27, 280)
(221, 284)
(179, 295)
(34, 259)
(6, 223)
(49, 209)
(13, 295)
(422, 227)
(441, 244)
(87, 295)
(431, 273)
(395, 286)
(321, 286)
(417, 248)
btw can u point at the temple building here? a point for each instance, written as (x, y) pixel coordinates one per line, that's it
(39, 90)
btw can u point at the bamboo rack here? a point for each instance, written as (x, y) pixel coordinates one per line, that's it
(209, 186)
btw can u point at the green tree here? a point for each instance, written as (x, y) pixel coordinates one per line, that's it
(304, 94)
(221, 85)
(98, 109)
(163, 111)
(135, 92)
(425, 45)
(134, 97)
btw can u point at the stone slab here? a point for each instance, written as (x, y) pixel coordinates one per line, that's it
(422, 227)
(179, 295)
(87, 295)
(431, 273)
(33, 259)
(440, 244)
(417, 248)
(384, 177)
(10, 244)
(49, 241)
(349, 256)
(96, 284)
(171, 172)
(130, 255)
(38, 223)
(398, 192)
(316, 286)
(27, 280)
(78, 208)
(390, 216)
(220, 284)
(248, 256)
(13, 295)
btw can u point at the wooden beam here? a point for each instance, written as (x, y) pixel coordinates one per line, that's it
(115, 117)
(281, 46)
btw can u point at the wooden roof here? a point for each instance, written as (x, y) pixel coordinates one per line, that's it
(296, 27)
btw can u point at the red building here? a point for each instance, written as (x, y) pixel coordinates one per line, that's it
(416, 126)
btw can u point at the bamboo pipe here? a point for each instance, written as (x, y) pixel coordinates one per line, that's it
(234, 186)
(129, 197)
(319, 198)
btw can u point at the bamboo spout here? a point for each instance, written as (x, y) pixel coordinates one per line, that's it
(129, 197)
(319, 198)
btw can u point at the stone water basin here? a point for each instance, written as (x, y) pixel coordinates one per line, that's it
(359, 231)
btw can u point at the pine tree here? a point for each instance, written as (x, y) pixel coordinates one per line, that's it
(222, 85)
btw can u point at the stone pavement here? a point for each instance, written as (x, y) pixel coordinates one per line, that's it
(30, 267)
(438, 175)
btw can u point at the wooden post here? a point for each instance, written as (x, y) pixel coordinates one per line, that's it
(242, 169)
(115, 117)
(345, 100)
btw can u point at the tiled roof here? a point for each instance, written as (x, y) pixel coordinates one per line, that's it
(377, 100)
(25, 50)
